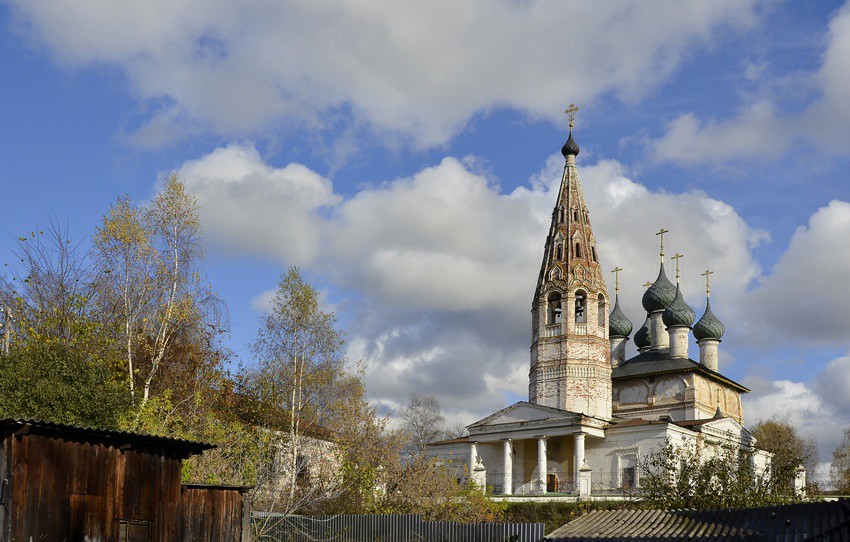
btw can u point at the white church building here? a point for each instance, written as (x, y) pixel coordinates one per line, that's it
(591, 413)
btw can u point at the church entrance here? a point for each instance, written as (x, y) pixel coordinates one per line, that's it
(551, 483)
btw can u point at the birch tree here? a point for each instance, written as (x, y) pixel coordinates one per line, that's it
(149, 256)
(123, 246)
(300, 366)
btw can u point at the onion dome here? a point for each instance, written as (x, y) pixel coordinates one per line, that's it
(678, 313)
(618, 324)
(570, 147)
(708, 327)
(660, 294)
(642, 335)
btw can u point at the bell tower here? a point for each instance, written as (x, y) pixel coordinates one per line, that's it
(570, 350)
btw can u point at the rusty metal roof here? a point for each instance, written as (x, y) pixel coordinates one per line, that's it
(138, 439)
(822, 521)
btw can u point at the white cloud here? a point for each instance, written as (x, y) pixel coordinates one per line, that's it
(443, 264)
(419, 69)
(818, 408)
(252, 207)
(806, 296)
(755, 131)
(763, 128)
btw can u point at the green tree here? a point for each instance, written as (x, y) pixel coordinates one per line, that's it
(678, 476)
(790, 450)
(61, 363)
(51, 381)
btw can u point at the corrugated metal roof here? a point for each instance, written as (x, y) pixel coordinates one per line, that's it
(820, 521)
(141, 439)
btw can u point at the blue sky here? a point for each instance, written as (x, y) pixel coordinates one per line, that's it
(405, 157)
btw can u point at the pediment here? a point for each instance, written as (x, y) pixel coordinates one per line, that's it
(523, 412)
(728, 426)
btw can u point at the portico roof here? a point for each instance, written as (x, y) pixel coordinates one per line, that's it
(528, 420)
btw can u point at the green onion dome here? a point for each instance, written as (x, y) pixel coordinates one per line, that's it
(618, 324)
(642, 335)
(660, 294)
(678, 313)
(708, 327)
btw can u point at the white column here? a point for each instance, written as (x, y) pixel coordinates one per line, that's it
(708, 353)
(679, 336)
(541, 463)
(579, 455)
(473, 458)
(618, 350)
(658, 335)
(508, 466)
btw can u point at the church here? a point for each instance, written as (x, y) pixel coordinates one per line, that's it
(591, 413)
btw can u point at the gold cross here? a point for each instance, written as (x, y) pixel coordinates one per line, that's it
(661, 233)
(706, 274)
(616, 272)
(647, 284)
(571, 113)
(676, 257)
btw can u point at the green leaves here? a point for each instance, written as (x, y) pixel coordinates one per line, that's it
(54, 382)
(688, 476)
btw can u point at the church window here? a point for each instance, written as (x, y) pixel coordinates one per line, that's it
(581, 307)
(575, 215)
(593, 252)
(600, 311)
(561, 218)
(578, 251)
(560, 252)
(628, 472)
(554, 312)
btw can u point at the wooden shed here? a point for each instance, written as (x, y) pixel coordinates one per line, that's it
(66, 483)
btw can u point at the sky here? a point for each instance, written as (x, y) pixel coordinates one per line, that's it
(406, 157)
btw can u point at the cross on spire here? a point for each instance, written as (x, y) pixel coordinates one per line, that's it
(616, 272)
(647, 284)
(677, 257)
(706, 274)
(661, 233)
(571, 113)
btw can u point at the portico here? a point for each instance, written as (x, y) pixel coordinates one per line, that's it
(532, 449)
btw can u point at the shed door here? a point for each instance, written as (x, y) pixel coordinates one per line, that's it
(133, 531)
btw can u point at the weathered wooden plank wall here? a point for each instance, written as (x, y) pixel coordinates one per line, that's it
(212, 513)
(5, 487)
(71, 489)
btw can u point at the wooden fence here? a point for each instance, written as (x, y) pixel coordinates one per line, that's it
(387, 528)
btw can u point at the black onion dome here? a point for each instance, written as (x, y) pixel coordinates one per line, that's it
(642, 335)
(618, 324)
(658, 296)
(570, 147)
(708, 327)
(678, 313)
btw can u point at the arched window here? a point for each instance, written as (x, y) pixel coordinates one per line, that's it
(600, 311)
(578, 250)
(561, 215)
(581, 307)
(554, 309)
(593, 252)
(560, 252)
(575, 215)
